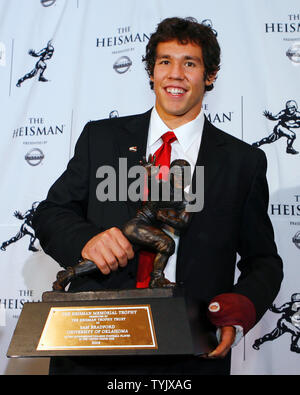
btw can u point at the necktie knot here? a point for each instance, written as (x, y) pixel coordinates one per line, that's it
(168, 137)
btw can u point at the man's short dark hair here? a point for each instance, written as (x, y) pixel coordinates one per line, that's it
(185, 30)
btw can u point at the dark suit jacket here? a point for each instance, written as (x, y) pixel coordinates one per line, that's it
(234, 218)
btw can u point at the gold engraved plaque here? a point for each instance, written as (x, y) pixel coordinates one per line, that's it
(106, 327)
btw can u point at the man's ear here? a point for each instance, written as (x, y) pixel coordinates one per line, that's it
(210, 78)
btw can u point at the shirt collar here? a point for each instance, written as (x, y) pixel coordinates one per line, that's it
(185, 134)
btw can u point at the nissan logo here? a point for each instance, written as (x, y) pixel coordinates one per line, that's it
(293, 53)
(34, 157)
(122, 64)
(47, 3)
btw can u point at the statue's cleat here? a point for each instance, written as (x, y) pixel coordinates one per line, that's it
(256, 344)
(295, 348)
(291, 150)
(56, 286)
(32, 248)
(161, 282)
(62, 279)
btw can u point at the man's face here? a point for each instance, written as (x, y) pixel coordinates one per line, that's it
(179, 83)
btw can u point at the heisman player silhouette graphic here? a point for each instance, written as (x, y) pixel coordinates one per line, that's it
(289, 322)
(40, 66)
(288, 118)
(26, 229)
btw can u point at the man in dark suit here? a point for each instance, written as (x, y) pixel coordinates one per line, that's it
(182, 60)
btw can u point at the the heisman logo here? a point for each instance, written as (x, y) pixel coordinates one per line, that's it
(289, 322)
(288, 119)
(26, 229)
(40, 66)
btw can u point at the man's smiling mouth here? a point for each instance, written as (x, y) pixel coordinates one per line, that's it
(175, 91)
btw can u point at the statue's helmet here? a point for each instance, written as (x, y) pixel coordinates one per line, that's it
(34, 205)
(291, 104)
(114, 114)
(50, 46)
(295, 297)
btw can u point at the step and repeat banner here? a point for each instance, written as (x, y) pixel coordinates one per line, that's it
(66, 62)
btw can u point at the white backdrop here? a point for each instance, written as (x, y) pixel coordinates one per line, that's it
(40, 122)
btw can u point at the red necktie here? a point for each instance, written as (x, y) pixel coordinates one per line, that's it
(146, 258)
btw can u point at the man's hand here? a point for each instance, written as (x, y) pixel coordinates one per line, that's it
(227, 339)
(108, 250)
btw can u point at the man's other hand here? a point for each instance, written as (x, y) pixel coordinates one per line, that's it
(227, 340)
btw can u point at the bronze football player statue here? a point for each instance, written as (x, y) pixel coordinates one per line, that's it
(145, 231)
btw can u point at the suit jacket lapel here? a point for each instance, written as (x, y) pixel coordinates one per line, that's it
(211, 156)
(132, 144)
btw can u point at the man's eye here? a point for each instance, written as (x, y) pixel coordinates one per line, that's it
(164, 62)
(190, 64)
